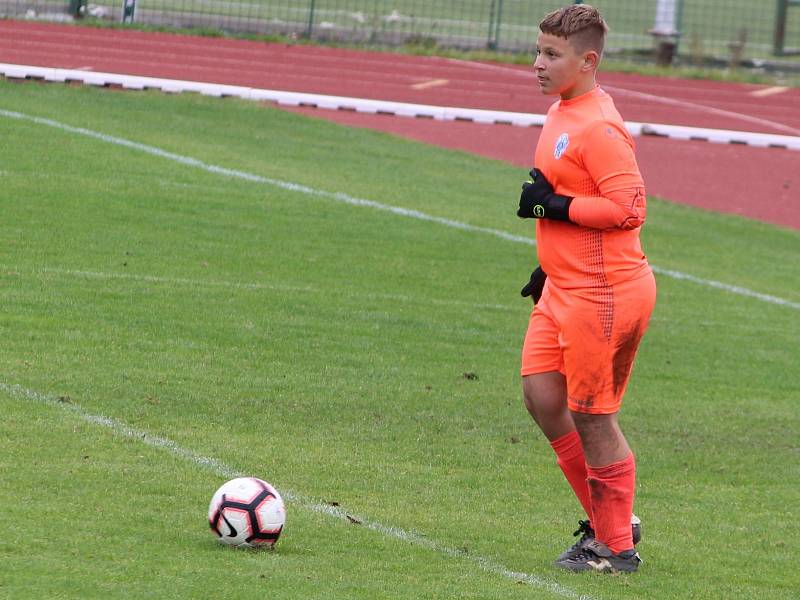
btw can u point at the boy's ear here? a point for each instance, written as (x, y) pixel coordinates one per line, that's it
(590, 60)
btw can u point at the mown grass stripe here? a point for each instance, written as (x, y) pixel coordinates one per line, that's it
(352, 200)
(255, 286)
(219, 468)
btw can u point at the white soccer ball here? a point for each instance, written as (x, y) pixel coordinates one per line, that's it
(247, 512)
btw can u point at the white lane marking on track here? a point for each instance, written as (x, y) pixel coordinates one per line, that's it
(649, 97)
(430, 84)
(217, 467)
(709, 109)
(770, 91)
(347, 199)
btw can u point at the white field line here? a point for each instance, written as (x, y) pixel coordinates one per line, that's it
(403, 109)
(372, 296)
(217, 467)
(293, 187)
(734, 289)
(264, 286)
(354, 201)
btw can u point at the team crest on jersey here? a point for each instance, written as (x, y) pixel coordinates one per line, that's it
(561, 145)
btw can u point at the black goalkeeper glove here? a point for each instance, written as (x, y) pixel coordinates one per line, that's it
(539, 201)
(535, 286)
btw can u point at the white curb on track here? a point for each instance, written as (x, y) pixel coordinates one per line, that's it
(385, 107)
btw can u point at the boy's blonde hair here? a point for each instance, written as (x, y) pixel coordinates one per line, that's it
(582, 25)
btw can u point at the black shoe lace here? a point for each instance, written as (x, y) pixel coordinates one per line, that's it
(583, 528)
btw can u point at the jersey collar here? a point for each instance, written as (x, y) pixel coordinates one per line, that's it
(585, 97)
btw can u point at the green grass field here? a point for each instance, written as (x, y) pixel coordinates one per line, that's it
(323, 346)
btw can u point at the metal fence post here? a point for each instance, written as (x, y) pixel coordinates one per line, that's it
(310, 27)
(779, 38)
(489, 43)
(679, 23)
(128, 10)
(497, 23)
(76, 8)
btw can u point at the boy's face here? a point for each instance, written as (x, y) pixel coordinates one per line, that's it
(559, 68)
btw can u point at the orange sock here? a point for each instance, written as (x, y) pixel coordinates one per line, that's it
(612, 488)
(569, 450)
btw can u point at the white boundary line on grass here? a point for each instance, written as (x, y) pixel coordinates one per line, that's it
(352, 200)
(286, 185)
(263, 286)
(219, 468)
(400, 109)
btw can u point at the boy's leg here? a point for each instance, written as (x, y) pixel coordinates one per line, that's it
(611, 471)
(600, 339)
(545, 397)
(544, 390)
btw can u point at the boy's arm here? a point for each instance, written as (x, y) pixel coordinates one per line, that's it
(608, 156)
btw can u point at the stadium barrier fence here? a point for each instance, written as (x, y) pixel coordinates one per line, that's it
(724, 33)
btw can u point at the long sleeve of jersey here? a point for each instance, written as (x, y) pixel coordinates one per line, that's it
(607, 155)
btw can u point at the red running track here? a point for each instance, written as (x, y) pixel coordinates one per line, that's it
(761, 183)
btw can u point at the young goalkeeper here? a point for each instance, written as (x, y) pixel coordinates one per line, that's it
(593, 292)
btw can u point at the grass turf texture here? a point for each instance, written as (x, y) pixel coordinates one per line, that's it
(323, 347)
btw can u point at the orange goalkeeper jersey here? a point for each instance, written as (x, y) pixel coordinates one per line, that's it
(585, 152)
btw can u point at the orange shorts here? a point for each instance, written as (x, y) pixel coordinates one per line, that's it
(591, 336)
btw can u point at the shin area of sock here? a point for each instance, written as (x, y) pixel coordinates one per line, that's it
(612, 489)
(569, 452)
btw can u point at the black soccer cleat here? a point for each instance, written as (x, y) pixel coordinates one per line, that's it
(587, 535)
(596, 556)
